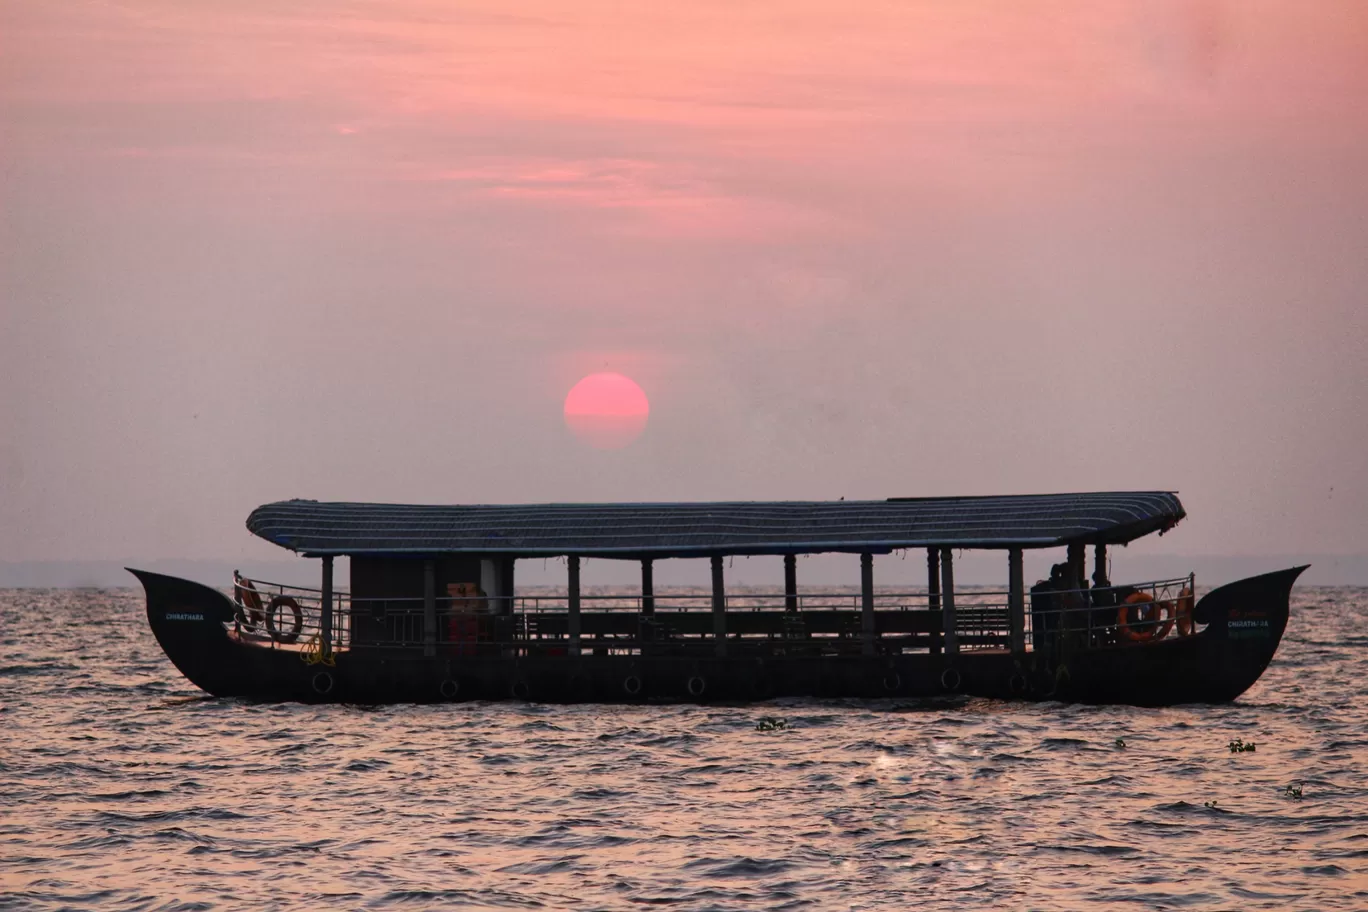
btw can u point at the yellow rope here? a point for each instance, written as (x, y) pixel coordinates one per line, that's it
(312, 653)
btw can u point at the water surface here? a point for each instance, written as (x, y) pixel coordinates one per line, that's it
(122, 788)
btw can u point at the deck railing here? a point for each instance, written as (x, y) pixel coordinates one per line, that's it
(1136, 612)
(282, 616)
(615, 623)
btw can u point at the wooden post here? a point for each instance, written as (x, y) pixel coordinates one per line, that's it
(719, 605)
(1016, 601)
(429, 608)
(1099, 564)
(506, 585)
(647, 587)
(790, 582)
(933, 597)
(646, 619)
(325, 609)
(947, 564)
(573, 603)
(867, 604)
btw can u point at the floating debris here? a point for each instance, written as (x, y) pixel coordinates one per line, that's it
(1120, 743)
(1239, 747)
(770, 723)
(1294, 791)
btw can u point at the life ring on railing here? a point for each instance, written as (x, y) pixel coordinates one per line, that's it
(251, 614)
(950, 680)
(632, 685)
(297, 621)
(697, 684)
(1183, 610)
(449, 688)
(892, 681)
(1141, 619)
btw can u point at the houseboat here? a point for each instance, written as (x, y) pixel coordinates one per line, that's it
(433, 613)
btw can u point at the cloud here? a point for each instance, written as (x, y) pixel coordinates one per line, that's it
(638, 196)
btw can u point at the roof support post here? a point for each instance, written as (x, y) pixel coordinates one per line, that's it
(647, 587)
(506, 585)
(1100, 564)
(325, 610)
(429, 607)
(867, 604)
(1016, 602)
(573, 603)
(947, 563)
(646, 619)
(933, 595)
(790, 582)
(719, 605)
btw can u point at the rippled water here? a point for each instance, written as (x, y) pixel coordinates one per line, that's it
(121, 789)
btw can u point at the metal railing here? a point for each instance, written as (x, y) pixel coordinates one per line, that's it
(280, 616)
(1114, 615)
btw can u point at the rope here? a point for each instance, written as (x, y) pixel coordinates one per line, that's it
(312, 653)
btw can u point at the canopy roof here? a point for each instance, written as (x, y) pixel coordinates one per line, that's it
(660, 530)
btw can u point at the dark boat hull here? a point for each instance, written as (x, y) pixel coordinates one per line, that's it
(1245, 623)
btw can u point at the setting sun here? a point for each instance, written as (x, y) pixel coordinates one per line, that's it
(607, 411)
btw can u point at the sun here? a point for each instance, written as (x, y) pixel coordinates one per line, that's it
(607, 411)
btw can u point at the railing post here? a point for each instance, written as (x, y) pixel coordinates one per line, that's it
(719, 605)
(947, 566)
(1016, 601)
(790, 582)
(573, 604)
(429, 608)
(933, 589)
(867, 603)
(325, 613)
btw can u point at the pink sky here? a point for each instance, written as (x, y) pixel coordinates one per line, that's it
(361, 250)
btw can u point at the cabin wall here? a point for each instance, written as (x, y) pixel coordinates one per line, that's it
(387, 595)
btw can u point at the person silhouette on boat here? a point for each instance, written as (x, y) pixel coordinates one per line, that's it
(1045, 611)
(1104, 601)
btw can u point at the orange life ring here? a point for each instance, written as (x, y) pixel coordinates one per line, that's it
(1142, 619)
(1184, 613)
(250, 599)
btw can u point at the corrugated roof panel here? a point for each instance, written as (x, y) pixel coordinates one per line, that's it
(633, 530)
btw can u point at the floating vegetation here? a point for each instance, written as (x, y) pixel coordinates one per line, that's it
(1293, 791)
(1120, 743)
(1238, 746)
(770, 723)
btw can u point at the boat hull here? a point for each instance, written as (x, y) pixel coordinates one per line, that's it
(1244, 625)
